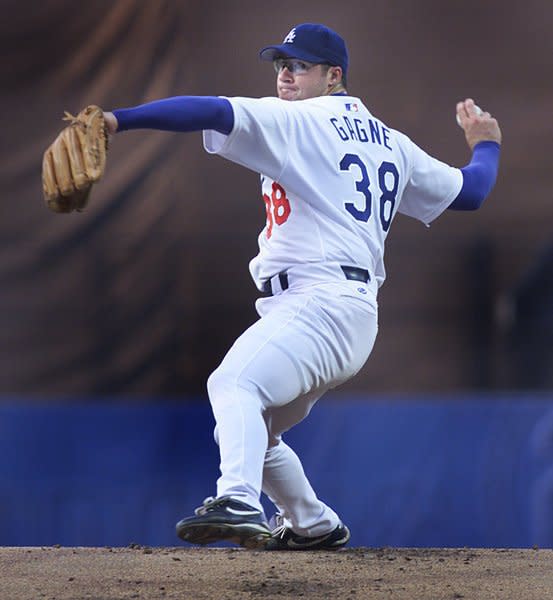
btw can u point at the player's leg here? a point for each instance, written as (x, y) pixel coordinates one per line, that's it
(241, 433)
(287, 486)
(238, 406)
(284, 479)
(303, 521)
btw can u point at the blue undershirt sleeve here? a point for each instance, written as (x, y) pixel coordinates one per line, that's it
(180, 113)
(478, 177)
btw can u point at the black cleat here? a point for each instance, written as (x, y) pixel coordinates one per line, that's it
(225, 519)
(283, 538)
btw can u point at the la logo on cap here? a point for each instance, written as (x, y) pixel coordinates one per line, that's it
(290, 37)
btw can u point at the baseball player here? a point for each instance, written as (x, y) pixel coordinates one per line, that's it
(333, 177)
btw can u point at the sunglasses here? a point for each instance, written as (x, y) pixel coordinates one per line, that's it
(294, 65)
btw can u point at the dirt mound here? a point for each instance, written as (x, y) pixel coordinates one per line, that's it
(140, 572)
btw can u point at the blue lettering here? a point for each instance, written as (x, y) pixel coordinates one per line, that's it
(350, 128)
(386, 136)
(375, 132)
(361, 132)
(341, 131)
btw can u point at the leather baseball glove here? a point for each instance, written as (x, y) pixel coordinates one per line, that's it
(75, 161)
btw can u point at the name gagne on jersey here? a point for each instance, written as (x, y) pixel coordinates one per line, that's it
(356, 130)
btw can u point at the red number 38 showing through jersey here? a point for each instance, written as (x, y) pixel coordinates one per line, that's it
(277, 207)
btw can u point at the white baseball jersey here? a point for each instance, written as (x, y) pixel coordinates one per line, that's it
(334, 206)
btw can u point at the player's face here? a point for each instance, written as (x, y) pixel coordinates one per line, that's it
(299, 79)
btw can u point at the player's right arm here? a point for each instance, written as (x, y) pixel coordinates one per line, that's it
(483, 137)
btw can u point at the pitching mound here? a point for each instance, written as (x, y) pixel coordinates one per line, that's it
(231, 574)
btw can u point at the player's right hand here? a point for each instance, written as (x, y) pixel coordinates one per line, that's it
(477, 127)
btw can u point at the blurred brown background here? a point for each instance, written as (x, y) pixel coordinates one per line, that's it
(143, 293)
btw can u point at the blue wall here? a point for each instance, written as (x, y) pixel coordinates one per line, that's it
(467, 471)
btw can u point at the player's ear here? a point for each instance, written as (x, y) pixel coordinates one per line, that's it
(334, 75)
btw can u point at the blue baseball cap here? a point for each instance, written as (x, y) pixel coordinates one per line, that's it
(312, 42)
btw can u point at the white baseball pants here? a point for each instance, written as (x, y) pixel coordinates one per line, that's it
(308, 340)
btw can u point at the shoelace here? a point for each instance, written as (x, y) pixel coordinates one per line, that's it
(279, 532)
(209, 503)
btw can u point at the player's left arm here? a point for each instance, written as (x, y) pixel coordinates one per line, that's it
(179, 113)
(483, 136)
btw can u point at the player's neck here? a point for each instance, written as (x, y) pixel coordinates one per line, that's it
(337, 89)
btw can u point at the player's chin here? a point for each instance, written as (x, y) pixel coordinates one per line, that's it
(287, 94)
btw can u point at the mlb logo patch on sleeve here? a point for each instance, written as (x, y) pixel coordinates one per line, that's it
(352, 107)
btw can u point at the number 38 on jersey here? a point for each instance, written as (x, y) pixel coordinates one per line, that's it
(388, 183)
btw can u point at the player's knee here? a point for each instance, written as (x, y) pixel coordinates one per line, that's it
(218, 384)
(224, 388)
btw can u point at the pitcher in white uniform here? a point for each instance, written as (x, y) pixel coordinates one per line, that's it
(333, 176)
